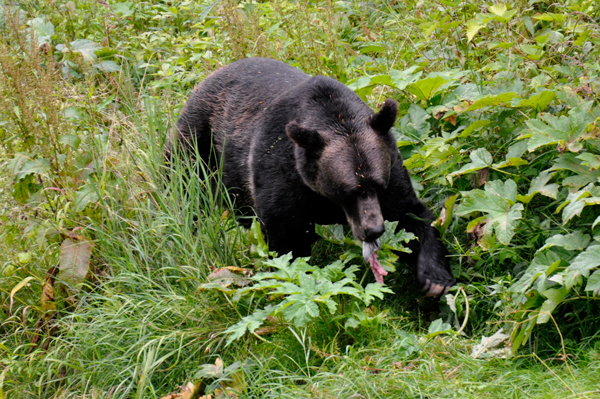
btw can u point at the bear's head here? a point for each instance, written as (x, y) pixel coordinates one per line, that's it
(348, 160)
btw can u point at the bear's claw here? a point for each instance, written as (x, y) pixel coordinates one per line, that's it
(435, 290)
(433, 274)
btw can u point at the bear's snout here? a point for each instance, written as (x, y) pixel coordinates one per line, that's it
(373, 233)
(367, 222)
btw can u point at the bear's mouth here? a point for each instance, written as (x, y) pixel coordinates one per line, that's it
(370, 247)
(370, 254)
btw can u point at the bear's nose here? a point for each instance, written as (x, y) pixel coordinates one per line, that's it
(373, 233)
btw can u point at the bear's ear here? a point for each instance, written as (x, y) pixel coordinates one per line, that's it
(306, 138)
(383, 121)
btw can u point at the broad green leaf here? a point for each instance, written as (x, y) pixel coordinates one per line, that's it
(416, 122)
(300, 309)
(42, 30)
(575, 241)
(582, 265)
(590, 160)
(24, 188)
(71, 140)
(472, 28)
(507, 190)
(480, 158)
(516, 150)
(576, 201)
(372, 48)
(382, 80)
(554, 298)
(507, 16)
(207, 10)
(85, 47)
(331, 305)
(24, 257)
(544, 17)
(582, 174)
(307, 282)
(333, 232)
(249, 323)
(395, 240)
(540, 185)
(74, 113)
(538, 102)
(373, 290)
(493, 45)
(510, 162)
(328, 289)
(124, 9)
(87, 194)
(438, 327)
(492, 100)
(593, 283)
(351, 323)
(74, 261)
(38, 166)
(360, 83)
(596, 222)
(15, 164)
(259, 247)
(513, 156)
(406, 343)
(405, 77)
(543, 264)
(499, 9)
(474, 126)
(107, 66)
(564, 131)
(533, 52)
(497, 202)
(428, 28)
(541, 80)
(426, 88)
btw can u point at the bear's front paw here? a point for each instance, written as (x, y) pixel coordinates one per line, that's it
(433, 274)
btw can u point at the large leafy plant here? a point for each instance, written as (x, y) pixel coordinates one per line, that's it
(511, 126)
(299, 292)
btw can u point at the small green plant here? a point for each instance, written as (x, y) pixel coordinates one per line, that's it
(300, 292)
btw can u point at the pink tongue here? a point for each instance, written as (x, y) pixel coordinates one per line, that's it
(378, 270)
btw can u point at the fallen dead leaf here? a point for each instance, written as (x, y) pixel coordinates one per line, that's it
(226, 277)
(484, 349)
(48, 302)
(452, 119)
(74, 260)
(188, 391)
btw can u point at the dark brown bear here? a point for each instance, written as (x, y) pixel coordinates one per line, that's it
(302, 150)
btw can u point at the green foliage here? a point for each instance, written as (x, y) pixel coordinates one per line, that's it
(305, 291)
(391, 241)
(498, 203)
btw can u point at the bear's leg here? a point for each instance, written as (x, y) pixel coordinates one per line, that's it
(284, 236)
(429, 255)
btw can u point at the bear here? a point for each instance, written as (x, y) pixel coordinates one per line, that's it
(302, 150)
